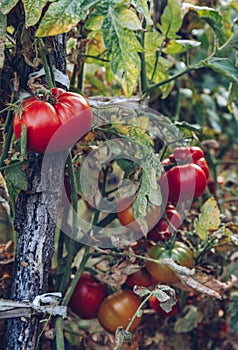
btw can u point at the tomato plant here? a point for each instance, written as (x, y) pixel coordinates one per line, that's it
(155, 305)
(87, 296)
(140, 278)
(127, 218)
(67, 113)
(180, 253)
(117, 310)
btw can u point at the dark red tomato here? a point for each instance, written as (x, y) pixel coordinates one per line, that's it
(142, 245)
(163, 230)
(203, 165)
(183, 182)
(140, 278)
(59, 123)
(87, 297)
(127, 218)
(186, 153)
(174, 217)
(155, 305)
(180, 253)
(117, 310)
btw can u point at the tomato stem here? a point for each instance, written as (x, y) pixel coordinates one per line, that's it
(133, 318)
(71, 250)
(45, 65)
(59, 334)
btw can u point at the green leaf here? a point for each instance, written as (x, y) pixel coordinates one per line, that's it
(233, 310)
(7, 6)
(3, 31)
(232, 43)
(209, 15)
(123, 48)
(223, 66)
(152, 42)
(212, 16)
(142, 7)
(97, 16)
(129, 19)
(208, 220)
(139, 210)
(175, 47)
(33, 10)
(203, 12)
(189, 320)
(171, 20)
(16, 180)
(62, 15)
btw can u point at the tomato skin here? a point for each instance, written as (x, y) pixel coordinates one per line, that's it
(183, 182)
(202, 163)
(70, 116)
(117, 310)
(87, 297)
(140, 278)
(155, 305)
(126, 217)
(180, 253)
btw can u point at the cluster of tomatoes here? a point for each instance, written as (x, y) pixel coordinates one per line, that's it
(90, 298)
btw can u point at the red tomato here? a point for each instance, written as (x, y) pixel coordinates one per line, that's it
(68, 113)
(184, 153)
(203, 165)
(183, 182)
(180, 253)
(118, 309)
(162, 230)
(155, 305)
(140, 278)
(87, 297)
(126, 216)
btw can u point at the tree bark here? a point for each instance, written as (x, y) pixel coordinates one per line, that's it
(35, 226)
(35, 223)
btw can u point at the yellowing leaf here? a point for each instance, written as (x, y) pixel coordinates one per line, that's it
(208, 220)
(33, 10)
(62, 15)
(123, 47)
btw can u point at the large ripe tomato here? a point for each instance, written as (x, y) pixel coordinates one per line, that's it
(87, 297)
(155, 305)
(117, 310)
(67, 113)
(183, 182)
(140, 278)
(127, 218)
(180, 253)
